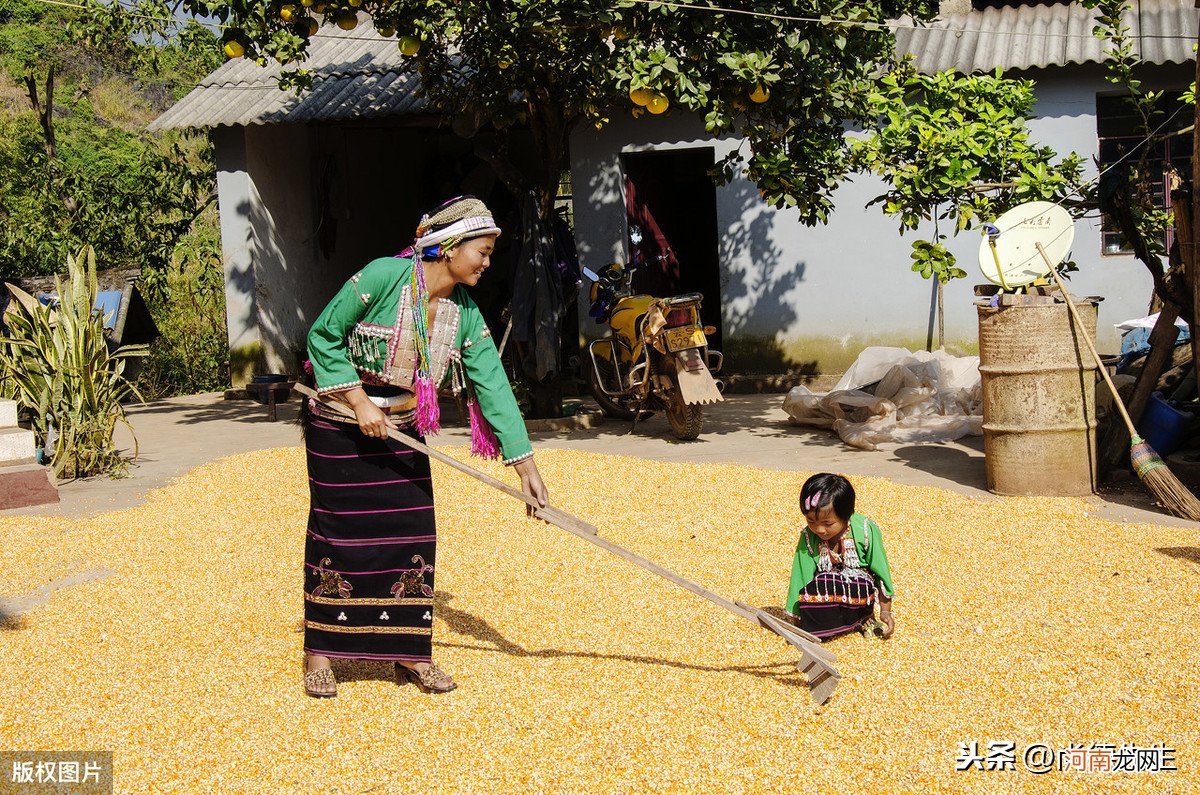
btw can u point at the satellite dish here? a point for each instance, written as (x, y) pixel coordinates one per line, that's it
(1008, 255)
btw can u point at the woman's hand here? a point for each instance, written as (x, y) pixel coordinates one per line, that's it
(885, 617)
(372, 420)
(531, 483)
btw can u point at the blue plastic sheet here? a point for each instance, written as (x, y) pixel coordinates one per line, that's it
(1136, 343)
(108, 304)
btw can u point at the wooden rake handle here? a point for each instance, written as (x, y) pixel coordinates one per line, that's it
(816, 661)
(1088, 339)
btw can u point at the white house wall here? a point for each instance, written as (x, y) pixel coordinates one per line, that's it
(819, 295)
(266, 205)
(274, 181)
(279, 161)
(234, 200)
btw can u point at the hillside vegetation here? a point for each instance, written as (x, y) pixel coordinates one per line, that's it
(77, 167)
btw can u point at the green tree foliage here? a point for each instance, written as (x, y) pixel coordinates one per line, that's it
(955, 150)
(75, 165)
(785, 77)
(786, 84)
(77, 88)
(192, 355)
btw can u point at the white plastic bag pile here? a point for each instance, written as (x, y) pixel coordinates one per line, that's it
(891, 395)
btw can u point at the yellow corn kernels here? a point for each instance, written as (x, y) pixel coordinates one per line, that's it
(1024, 620)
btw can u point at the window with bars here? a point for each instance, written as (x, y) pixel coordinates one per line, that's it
(1118, 128)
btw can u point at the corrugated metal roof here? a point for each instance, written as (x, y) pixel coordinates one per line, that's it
(1028, 37)
(356, 74)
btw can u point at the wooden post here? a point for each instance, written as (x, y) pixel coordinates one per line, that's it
(1188, 251)
(1114, 441)
(941, 301)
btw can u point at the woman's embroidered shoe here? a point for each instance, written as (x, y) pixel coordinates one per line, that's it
(321, 677)
(431, 680)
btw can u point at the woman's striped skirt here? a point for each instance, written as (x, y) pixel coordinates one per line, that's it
(370, 554)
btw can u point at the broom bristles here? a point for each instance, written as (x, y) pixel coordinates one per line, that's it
(1149, 466)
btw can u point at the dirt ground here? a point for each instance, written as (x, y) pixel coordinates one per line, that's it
(173, 436)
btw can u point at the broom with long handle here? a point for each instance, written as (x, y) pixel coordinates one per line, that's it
(1163, 484)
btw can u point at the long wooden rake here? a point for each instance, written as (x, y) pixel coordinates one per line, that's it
(816, 662)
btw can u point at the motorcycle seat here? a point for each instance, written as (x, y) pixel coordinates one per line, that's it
(687, 298)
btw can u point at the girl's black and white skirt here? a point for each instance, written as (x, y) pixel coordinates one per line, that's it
(371, 550)
(836, 602)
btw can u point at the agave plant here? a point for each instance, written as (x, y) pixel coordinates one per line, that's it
(57, 365)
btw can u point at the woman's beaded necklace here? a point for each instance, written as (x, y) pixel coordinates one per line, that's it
(428, 419)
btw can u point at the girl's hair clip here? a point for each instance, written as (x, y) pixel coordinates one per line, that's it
(813, 501)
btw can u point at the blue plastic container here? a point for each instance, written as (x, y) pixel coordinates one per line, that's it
(1162, 425)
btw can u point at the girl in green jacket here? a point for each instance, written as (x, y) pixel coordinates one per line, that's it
(840, 569)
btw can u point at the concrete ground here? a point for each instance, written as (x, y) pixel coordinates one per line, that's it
(177, 435)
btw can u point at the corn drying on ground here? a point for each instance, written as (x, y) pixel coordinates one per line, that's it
(1018, 619)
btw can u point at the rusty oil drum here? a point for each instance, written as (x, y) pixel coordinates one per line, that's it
(1039, 399)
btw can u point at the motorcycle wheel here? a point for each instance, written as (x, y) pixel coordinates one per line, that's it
(687, 420)
(618, 408)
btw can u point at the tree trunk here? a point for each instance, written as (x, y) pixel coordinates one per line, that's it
(550, 138)
(44, 113)
(1114, 443)
(941, 302)
(490, 148)
(1191, 258)
(1170, 290)
(545, 396)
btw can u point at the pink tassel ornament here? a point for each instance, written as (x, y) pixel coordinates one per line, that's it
(429, 414)
(483, 439)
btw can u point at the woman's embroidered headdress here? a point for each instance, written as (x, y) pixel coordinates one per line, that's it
(453, 222)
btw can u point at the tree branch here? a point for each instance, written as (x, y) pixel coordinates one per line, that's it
(492, 151)
(45, 113)
(1167, 289)
(983, 187)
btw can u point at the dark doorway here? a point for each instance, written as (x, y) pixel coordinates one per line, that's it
(671, 198)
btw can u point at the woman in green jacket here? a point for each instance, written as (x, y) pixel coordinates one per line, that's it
(397, 331)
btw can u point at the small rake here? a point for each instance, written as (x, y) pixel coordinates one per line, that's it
(1148, 465)
(816, 663)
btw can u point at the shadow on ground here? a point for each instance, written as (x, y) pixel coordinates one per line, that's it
(247, 411)
(492, 640)
(949, 463)
(736, 414)
(1190, 554)
(9, 621)
(1130, 492)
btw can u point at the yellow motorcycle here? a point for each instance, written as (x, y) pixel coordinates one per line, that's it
(655, 356)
